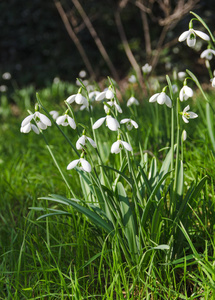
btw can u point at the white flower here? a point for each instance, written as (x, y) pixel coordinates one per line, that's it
(106, 94)
(66, 120)
(132, 101)
(111, 123)
(190, 36)
(41, 120)
(92, 95)
(6, 76)
(78, 98)
(146, 68)
(213, 82)
(185, 93)
(186, 115)
(112, 103)
(119, 145)
(54, 114)
(208, 54)
(82, 73)
(182, 75)
(84, 165)
(161, 98)
(82, 142)
(174, 88)
(129, 123)
(132, 79)
(184, 135)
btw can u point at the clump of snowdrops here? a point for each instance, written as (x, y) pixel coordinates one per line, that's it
(142, 208)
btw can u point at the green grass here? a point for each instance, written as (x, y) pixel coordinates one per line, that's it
(65, 257)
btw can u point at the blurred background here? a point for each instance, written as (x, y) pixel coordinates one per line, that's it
(42, 41)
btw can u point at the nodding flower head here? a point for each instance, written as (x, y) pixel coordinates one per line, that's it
(111, 123)
(190, 36)
(161, 98)
(119, 145)
(185, 93)
(186, 115)
(82, 163)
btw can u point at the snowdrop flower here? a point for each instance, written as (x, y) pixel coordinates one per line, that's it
(208, 54)
(54, 114)
(41, 120)
(190, 36)
(119, 145)
(146, 68)
(129, 123)
(112, 103)
(132, 79)
(82, 73)
(93, 95)
(174, 88)
(106, 94)
(6, 76)
(161, 98)
(111, 123)
(182, 75)
(185, 93)
(28, 127)
(184, 135)
(66, 120)
(83, 163)
(78, 98)
(82, 142)
(132, 101)
(213, 82)
(186, 115)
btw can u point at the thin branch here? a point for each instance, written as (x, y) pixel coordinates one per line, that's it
(96, 38)
(75, 39)
(146, 32)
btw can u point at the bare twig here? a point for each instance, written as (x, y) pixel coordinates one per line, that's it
(75, 39)
(146, 34)
(96, 39)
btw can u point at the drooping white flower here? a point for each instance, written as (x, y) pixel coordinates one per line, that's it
(84, 164)
(132, 101)
(106, 94)
(93, 94)
(78, 98)
(185, 93)
(41, 120)
(190, 36)
(213, 82)
(111, 123)
(119, 145)
(161, 98)
(112, 103)
(132, 79)
(82, 142)
(146, 68)
(182, 75)
(184, 135)
(54, 114)
(66, 120)
(186, 115)
(208, 54)
(129, 123)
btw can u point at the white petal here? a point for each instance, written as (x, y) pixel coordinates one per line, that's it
(134, 124)
(168, 101)
(54, 114)
(154, 97)
(112, 123)
(127, 146)
(92, 95)
(204, 53)
(118, 107)
(26, 128)
(27, 120)
(41, 125)
(191, 40)
(193, 115)
(188, 91)
(61, 120)
(71, 99)
(132, 101)
(185, 119)
(71, 122)
(45, 119)
(85, 165)
(202, 35)
(79, 99)
(98, 123)
(91, 142)
(123, 121)
(115, 148)
(35, 129)
(109, 94)
(161, 99)
(100, 96)
(181, 94)
(184, 36)
(81, 142)
(186, 108)
(73, 164)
